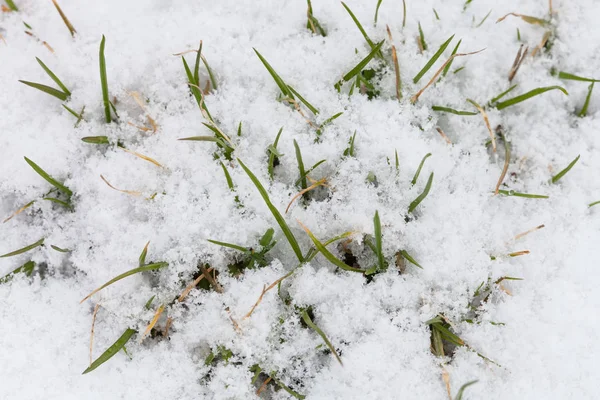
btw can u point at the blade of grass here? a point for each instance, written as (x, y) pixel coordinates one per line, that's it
(452, 111)
(19, 211)
(229, 245)
(594, 203)
(142, 258)
(414, 179)
(459, 395)
(562, 173)
(362, 30)
(47, 89)
(104, 82)
(282, 224)
(26, 269)
(410, 258)
(211, 76)
(272, 154)
(24, 249)
(59, 202)
(526, 195)
(303, 184)
(308, 171)
(447, 68)
(568, 76)
(486, 121)
(60, 250)
(12, 6)
(194, 87)
(403, 13)
(311, 324)
(432, 60)
(303, 100)
(356, 70)
(54, 77)
(501, 95)
(422, 196)
(49, 179)
(527, 18)
(197, 65)
(327, 254)
(280, 83)
(584, 109)
(227, 176)
(287, 389)
(378, 242)
(377, 11)
(148, 267)
(506, 162)
(112, 350)
(515, 100)
(483, 20)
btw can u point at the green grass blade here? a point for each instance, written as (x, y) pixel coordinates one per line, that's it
(584, 109)
(54, 77)
(356, 70)
(47, 89)
(303, 184)
(287, 388)
(349, 152)
(60, 250)
(567, 76)
(327, 254)
(272, 154)
(410, 258)
(78, 116)
(501, 95)
(414, 179)
(447, 67)
(379, 242)
(96, 139)
(26, 269)
(148, 267)
(112, 350)
(447, 334)
(24, 249)
(192, 83)
(282, 224)
(280, 83)
(104, 82)
(308, 171)
(227, 176)
(562, 173)
(377, 11)
(397, 161)
(483, 20)
(594, 203)
(422, 196)
(303, 100)
(459, 395)
(311, 324)
(360, 27)
(452, 111)
(211, 76)
(142, 257)
(12, 6)
(436, 14)
(526, 195)
(59, 202)
(515, 100)
(229, 245)
(48, 178)
(432, 60)
(422, 38)
(197, 65)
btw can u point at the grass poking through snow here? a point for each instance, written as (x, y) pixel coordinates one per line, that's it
(562, 173)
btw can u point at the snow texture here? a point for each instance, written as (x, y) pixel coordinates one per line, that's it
(540, 331)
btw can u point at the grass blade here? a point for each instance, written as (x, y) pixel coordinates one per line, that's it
(327, 254)
(410, 258)
(26, 268)
(378, 242)
(377, 10)
(48, 178)
(148, 267)
(567, 76)
(459, 395)
(54, 77)
(11, 5)
(273, 155)
(192, 83)
(594, 203)
(422, 42)
(303, 100)
(96, 139)
(526, 195)
(300, 166)
(47, 89)
(65, 19)
(280, 83)
(584, 109)
(422, 196)
(211, 76)
(562, 173)
(447, 68)
(501, 95)
(282, 224)
(432, 60)
(311, 324)
(515, 100)
(60, 250)
(104, 82)
(24, 249)
(452, 111)
(360, 27)
(229, 245)
(414, 179)
(197, 65)
(112, 350)
(356, 70)
(308, 171)
(227, 176)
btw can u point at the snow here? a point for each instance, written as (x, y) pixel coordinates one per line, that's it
(547, 345)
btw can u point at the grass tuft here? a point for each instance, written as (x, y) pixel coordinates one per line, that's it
(313, 24)
(311, 324)
(414, 179)
(359, 67)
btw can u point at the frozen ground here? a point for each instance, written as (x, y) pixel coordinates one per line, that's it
(547, 345)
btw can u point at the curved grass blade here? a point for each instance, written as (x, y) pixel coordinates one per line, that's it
(227, 176)
(48, 178)
(515, 100)
(280, 83)
(422, 196)
(148, 267)
(104, 82)
(142, 258)
(273, 155)
(378, 242)
(311, 324)
(54, 77)
(303, 100)
(213, 80)
(566, 75)
(459, 395)
(287, 388)
(59, 202)
(422, 41)
(452, 111)
(24, 249)
(432, 60)
(360, 27)
(229, 245)
(526, 195)
(303, 184)
(377, 11)
(60, 250)
(96, 139)
(282, 224)
(327, 254)
(414, 179)
(501, 95)
(47, 89)
(584, 109)
(410, 258)
(112, 350)
(562, 173)
(12, 6)
(447, 68)
(26, 269)
(356, 70)
(311, 169)
(197, 65)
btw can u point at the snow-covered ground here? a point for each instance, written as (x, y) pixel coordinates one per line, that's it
(540, 331)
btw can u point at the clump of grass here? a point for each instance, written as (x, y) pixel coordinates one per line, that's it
(278, 217)
(349, 151)
(63, 94)
(112, 350)
(371, 44)
(313, 23)
(422, 196)
(562, 173)
(525, 96)
(357, 72)
(251, 258)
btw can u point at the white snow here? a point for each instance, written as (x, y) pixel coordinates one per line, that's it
(548, 343)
